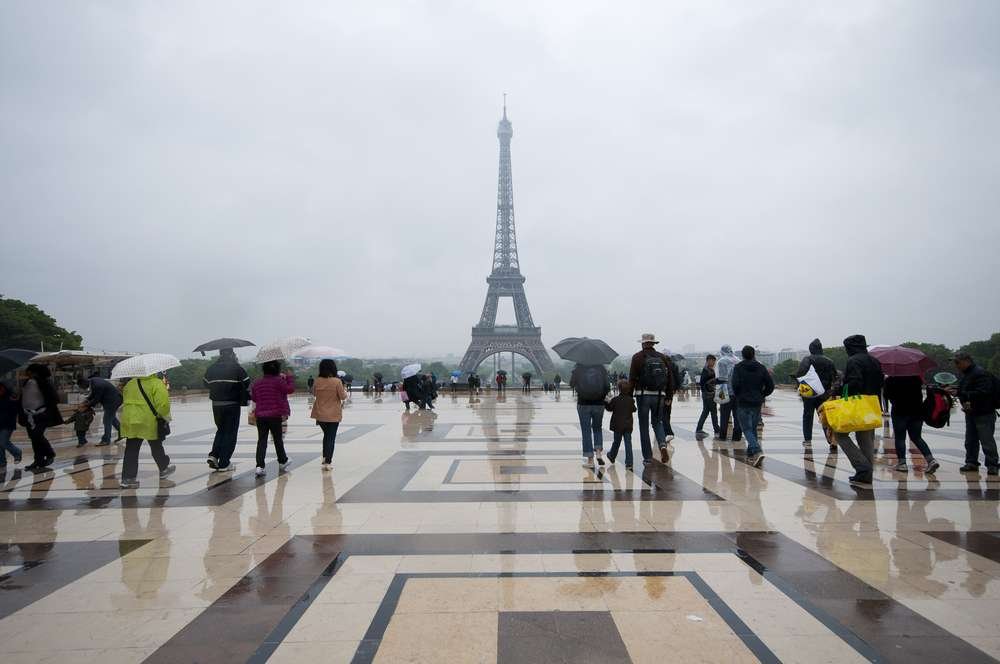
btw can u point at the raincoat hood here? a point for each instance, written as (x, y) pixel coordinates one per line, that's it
(856, 343)
(726, 350)
(816, 347)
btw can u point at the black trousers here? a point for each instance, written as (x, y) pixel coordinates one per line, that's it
(329, 439)
(270, 425)
(727, 410)
(40, 445)
(708, 407)
(227, 426)
(130, 462)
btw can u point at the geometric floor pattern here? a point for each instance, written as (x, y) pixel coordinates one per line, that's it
(474, 534)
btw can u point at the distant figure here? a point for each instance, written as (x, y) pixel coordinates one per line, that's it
(706, 384)
(592, 385)
(905, 394)
(975, 393)
(309, 383)
(650, 379)
(724, 370)
(146, 401)
(862, 376)
(622, 407)
(751, 383)
(827, 373)
(103, 393)
(270, 396)
(39, 410)
(229, 390)
(9, 408)
(557, 382)
(328, 408)
(500, 381)
(526, 383)
(454, 383)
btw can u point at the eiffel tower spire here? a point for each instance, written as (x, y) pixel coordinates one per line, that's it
(505, 246)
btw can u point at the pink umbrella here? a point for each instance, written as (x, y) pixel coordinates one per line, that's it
(901, 361)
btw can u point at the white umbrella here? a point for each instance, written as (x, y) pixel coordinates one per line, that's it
(144, 365)
(409, 370)
(321, 352)
(341, 374)
(281, 349)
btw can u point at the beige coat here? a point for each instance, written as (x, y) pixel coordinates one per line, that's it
(330, 396)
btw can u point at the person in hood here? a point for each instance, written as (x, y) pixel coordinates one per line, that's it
(229, 389)
(751, 383)
(724, 371)
(862, 376)
(827, 373)
(975, 393)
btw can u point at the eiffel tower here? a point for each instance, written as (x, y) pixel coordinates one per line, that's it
(506, 280)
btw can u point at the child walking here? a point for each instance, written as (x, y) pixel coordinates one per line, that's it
(81, 419)
(622, 407)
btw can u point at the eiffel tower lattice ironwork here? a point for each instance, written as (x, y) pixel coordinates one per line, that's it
(506, 280)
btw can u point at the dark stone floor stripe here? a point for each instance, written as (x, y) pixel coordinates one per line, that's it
(560, 637)
(982, 543)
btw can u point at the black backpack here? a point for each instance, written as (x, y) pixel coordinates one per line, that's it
(591, 383)
(937, 408)
(653, 375)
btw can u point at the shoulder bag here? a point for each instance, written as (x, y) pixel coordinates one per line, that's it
(162, 425)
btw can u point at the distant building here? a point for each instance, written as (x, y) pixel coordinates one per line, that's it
(767, 357)
(791, 354)
(687, 349)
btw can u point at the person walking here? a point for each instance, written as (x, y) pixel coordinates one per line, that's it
(229, 390)
(270, 396)
(862, 376)
(557, 382)
(592, 385)
(724, 371)
(39, 411)
(103, 393)
(310, 382)
(975, 393)
(328, 407)
(9, 409)
(706, 384)
(905, 394)
(622, 407)
(827, 373)
(650, 380)
(526, 383)
(145, 403)
(751, 383)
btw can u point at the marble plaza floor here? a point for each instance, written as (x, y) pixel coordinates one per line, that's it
(474, 534)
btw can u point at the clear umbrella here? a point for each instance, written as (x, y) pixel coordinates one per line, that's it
(281, 349)
(409, 370)
(321, 352)
(144, 365)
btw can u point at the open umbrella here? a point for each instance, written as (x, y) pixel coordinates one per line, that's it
(144, 365)
(901, 361)
(456, 373)
(280, 349)
(321, 352)
(12, 358)
(409, 370)
(220, 344)
(583, 350)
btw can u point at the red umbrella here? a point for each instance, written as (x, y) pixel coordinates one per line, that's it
(901, 361)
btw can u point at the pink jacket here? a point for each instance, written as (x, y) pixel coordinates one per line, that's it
(270, 395)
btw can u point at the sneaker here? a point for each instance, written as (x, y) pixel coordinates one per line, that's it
(285, 465)
(259, 472)
(103, 443)
(807, 443)
(993, 470)
(665, 454)
(167, 472)
(757, 460)
(862, 479)
(129, 484)
(969, 468)
(81, 443)
(701, 435)
(669, 438)
(212, 462)
(326, 466)
(932, 467)
(589, 463)
(228, 468)
(899, 467)
(647, 461)
(627, 467)
(600, 460)
(833, 449)
(611, 458)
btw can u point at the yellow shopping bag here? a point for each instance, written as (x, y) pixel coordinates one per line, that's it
(848, 414)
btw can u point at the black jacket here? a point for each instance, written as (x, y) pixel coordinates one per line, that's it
(976, 388)
(707, 383)
(9, 409)
(906, 395)
(227, 382)
(751, 382)
(825, 369)
(103, 392)
(621, 407)
(863, 373)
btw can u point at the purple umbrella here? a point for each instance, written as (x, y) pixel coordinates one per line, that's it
(901, 361)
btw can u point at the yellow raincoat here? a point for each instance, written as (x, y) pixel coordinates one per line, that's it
(136, 419)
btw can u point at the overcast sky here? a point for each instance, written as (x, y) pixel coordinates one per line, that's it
(741, 172)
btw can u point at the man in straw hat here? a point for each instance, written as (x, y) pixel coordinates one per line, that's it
(651, 382)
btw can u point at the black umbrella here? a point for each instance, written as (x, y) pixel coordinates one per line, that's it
(12, 358)
(585, 351)
(219, 344)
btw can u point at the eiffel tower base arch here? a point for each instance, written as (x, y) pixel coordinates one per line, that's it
(528, 346)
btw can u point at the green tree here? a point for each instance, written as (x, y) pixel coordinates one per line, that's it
(994, 365)
(190, 375)
(24, 325)
(783, 372)
(983, 351)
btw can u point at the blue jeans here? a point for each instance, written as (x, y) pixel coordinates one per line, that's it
(110, 421)
(749, 417)
(912, 425)
(591, 418)
(618, 436)
(650, 409)
(8, 447)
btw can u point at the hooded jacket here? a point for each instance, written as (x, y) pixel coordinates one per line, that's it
(724, 367)
(137, 420)
(751, 382)
(863, 373)
(824, 366)
(621, 407)
(976, 389)
(228, 382)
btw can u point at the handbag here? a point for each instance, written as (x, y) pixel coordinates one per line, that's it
(162, 425)
(847, 414)
(252, 414)
(810, 384)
